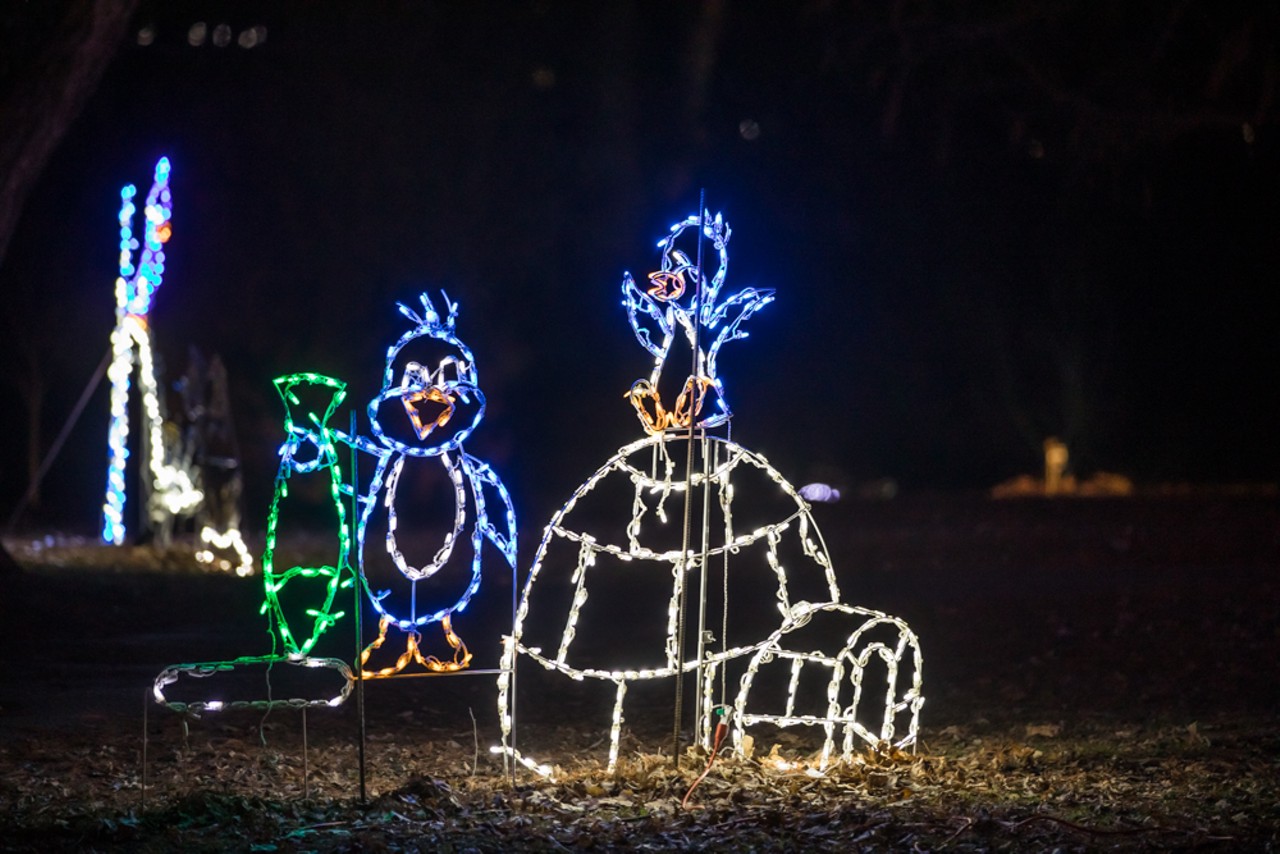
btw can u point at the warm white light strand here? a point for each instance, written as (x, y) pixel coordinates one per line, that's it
(459, 520)
(615, 727)
(174, 488)
(586, 559)
(230, 539)
(899, 699)
(202, 670)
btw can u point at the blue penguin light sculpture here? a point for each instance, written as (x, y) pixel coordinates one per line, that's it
(419, 420)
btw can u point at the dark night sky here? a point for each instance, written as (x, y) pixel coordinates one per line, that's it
(1018, 246)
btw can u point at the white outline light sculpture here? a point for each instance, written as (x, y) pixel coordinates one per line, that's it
(872, 674)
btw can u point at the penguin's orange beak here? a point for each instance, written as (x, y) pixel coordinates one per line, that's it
(420, 404)
(666, 285)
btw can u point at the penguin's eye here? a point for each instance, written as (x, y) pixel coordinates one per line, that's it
(451, 370)
(415, 376)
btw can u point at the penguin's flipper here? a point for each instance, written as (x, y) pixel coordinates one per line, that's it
(495, 517)
(742, 305)
(650, 321)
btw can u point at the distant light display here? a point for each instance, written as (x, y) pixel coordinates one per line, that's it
(777, 561)
(230, 540)
(430, 440)
(172, 484)
(820, 493)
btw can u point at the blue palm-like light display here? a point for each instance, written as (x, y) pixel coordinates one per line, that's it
(141, 283)
(173, 486)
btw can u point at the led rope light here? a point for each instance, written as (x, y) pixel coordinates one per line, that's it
(174, 487)
(874, 640)
(231, 540)
(307, 450)
(310, 591)
(453, 381)
(205, 670)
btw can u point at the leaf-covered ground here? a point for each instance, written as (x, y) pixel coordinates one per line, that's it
(1100, 675)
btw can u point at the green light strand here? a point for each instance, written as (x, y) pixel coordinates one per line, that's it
(318, 438)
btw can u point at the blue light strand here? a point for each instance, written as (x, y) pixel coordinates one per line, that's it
(156, 214)
(455, 378)
(135, 288)
(317, 438)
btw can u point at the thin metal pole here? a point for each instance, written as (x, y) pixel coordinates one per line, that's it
(306, 767)
(359, 610)
(724, 600)
(56, 447)
(511, 677)
(146, 707)
(688, 496)
(700, 725)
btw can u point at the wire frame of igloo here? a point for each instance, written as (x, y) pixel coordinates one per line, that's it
(769, 561)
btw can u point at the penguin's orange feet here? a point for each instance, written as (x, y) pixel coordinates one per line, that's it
(410, 653)
(461, 656)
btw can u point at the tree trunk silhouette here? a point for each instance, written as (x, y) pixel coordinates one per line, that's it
(44, 95)
(57, 56)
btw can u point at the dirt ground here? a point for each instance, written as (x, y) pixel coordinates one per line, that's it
(1100, 674)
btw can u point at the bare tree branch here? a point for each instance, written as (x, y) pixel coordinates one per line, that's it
(46, 96)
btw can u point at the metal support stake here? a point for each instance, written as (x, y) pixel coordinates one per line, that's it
(701, 724)
(359, 610)
(724, 593)
(695, 391)
(146, 708)
(306, 767)
(511, 677)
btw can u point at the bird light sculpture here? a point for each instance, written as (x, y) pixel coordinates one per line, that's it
(788, 650)
(419, 420)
